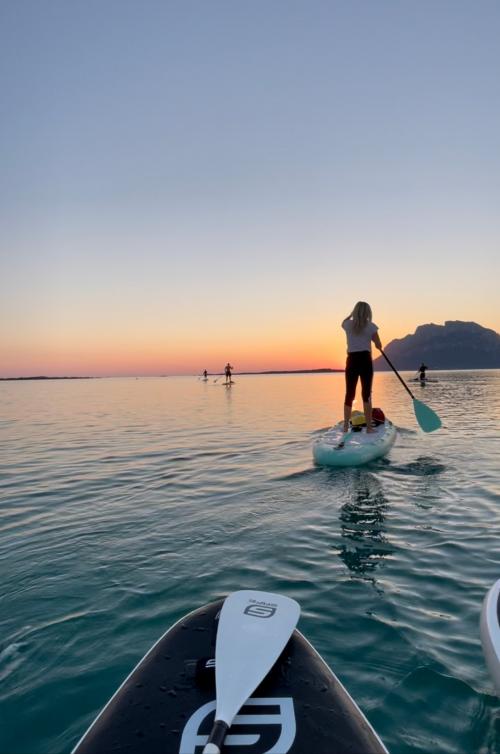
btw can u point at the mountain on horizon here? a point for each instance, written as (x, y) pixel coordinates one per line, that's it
(454, 345)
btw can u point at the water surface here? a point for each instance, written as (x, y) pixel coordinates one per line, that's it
(128, 502)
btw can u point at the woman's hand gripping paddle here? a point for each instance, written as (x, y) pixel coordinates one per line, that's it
(254, 628)
(426, 417)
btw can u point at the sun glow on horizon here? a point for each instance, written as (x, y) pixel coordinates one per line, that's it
(126, 353)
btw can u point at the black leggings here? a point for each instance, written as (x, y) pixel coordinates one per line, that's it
(359, 364)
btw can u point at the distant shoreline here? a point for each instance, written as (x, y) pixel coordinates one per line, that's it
(211, 374)
(17, 379)
(293, 371)
(325, 370)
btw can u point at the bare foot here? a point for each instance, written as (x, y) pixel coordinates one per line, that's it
(370, 431)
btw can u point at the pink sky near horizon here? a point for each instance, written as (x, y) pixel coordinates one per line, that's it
(108, 353)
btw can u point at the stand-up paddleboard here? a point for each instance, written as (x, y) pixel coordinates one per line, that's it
(490, 632)
(426, 379)
(167, 704)
(358, 446)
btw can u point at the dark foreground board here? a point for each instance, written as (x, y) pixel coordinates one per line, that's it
(167, 704)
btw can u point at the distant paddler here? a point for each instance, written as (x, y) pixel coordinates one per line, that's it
(227, 372)
(205, 374)
(421, 372)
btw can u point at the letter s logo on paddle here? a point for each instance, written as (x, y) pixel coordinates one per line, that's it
(256, 723)
(260, 611)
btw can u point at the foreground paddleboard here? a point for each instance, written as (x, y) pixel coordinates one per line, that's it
(490, 632)
(167, 704)
(358, 448)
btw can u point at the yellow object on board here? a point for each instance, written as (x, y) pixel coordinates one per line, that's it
(358, 420)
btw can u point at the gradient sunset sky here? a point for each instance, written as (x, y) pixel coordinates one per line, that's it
(186, 183)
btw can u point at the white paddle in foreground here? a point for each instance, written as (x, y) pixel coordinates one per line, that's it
(254, 628)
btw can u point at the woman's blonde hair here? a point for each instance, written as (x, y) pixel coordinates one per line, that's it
(361, 315)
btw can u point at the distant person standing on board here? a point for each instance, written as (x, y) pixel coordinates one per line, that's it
(227, 372)
(205, 373)
(421, 371)
(360, 332)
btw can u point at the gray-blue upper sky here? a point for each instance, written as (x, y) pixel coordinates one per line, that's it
(108, 100)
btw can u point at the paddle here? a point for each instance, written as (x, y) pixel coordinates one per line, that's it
(426, 417)
(254, 628)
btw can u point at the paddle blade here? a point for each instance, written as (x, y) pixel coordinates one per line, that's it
(254, 628)
(428, 420)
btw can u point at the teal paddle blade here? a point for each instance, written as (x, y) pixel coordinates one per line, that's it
(426, 417)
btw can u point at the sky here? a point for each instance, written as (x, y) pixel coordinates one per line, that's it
(186, 183)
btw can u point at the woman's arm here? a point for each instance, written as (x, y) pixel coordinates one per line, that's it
(376, 340)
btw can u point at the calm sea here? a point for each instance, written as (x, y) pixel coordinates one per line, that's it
(125, 503)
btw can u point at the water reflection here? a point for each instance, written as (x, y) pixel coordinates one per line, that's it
(421, 466)
(362, 523)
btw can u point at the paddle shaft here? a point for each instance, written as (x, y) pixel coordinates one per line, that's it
(341, 442)
(397, 375)
(216, 739)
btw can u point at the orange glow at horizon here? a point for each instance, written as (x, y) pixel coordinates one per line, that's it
(142, 350)
(113, 355)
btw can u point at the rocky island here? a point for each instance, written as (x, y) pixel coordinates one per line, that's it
(454, 345)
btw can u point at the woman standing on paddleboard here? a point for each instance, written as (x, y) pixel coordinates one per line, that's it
(360, 332)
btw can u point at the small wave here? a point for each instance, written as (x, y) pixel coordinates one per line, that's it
(298, 474)
(316, 432)
(422, 466)
(10, 659)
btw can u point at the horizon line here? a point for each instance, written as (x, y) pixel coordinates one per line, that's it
(163, 374)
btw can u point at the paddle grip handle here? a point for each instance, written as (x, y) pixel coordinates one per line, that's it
(216, 737)
(397, 374)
